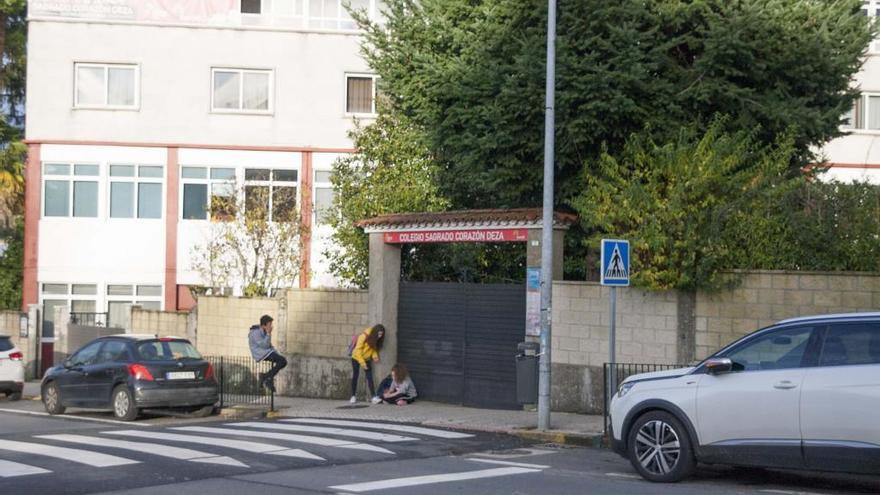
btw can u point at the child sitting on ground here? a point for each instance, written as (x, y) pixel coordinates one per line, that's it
(401, 390)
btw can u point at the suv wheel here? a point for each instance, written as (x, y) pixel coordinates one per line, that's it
(52, 399)
(123, 404)
(659, 448)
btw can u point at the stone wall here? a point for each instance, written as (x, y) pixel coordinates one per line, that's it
(676, 328)
(223, 323)
(10, 325)
(162, 323)
(767, 297)
(321, 322)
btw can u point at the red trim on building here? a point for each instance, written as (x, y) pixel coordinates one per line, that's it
(189, 146)
(306, 219)
(854, 165)
(185, 299)
(29, 289)
(457, 235)
(172, 181)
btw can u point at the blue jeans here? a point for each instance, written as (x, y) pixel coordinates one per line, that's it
(355, 373)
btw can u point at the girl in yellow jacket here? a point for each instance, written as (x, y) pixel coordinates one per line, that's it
(364, 354)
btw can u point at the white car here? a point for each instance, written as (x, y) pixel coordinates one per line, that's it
(11, 369)
(801, 394)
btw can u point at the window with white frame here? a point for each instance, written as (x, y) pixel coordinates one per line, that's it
(241, 90)
(106, 85)
(360, 94)
(323, 197)
(272, 191)
(70, 190)
(865, 113)
(136, 191)
(871, 8)
(204, 187)
(77, 298)
(333, 14)
(120, 298)
(251, 6)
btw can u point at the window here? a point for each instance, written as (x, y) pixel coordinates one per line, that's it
(779, 349)
(80, 299)
(87, 355)
(198, 182)
(323, 196)
(113, 351)
(851, 344)
(360, 94)
(251, 6)
(70, 189)
(241, 90)
(120, 298)
(106, 86)
(136, 191)
(271, 192)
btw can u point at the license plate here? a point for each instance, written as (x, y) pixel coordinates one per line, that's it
(180, 375)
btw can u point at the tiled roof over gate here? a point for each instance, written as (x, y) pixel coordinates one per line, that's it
(488, 218)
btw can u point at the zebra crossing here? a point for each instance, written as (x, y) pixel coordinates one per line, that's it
(240, 444)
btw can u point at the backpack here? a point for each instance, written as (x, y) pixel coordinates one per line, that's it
(353, 344)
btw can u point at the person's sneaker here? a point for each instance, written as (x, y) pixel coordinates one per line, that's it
(353, 400)
(376, 400)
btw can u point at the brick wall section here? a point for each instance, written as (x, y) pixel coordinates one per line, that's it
(223, 323)
(767, 297)
(321, 321)
(646, 324)
(163, 323)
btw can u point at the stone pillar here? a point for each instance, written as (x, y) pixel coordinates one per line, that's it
(34, 347)
(383, 298)
(533, 250)
(62, 326)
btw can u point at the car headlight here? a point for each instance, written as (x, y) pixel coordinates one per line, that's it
(624, 388)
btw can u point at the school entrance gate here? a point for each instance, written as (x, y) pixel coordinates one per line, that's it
(459, 340)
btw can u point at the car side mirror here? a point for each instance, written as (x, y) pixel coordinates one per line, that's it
(717, 366)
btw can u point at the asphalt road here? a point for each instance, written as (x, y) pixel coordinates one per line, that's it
(92, 454)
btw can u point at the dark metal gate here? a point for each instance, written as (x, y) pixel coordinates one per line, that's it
(459, 340)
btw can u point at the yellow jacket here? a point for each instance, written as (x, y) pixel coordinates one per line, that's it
(362, 351)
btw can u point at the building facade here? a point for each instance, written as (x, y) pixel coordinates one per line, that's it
(140, 111)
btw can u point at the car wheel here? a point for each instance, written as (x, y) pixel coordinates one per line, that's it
(52, 399)
(123, 404)
(659, 448)
(14, 396)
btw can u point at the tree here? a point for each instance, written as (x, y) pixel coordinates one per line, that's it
(391, 172)
(469, 75)
(253, 241)
(683, 204)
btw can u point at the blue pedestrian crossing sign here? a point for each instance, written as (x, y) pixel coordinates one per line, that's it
(615, 262)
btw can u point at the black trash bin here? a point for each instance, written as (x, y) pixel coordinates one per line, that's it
(527, 372)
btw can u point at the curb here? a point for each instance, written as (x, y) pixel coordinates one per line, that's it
(236, 412)
(595, 440)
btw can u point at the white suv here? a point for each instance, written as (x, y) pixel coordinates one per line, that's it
(11, 369)
(801, 394)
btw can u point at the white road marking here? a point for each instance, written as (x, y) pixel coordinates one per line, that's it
(415, 430)
(624, 475)
(148, 448)
(325, 442)
(89, 458)
(255, 447)
(515, 453)
(9, 469)
(508, 463)
(343, 432)
(431, 479)
(79, 418)
(790, 492)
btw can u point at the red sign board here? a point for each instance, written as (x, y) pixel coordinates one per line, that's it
(475, 235)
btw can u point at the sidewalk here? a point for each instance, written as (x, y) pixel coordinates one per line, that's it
(567, 428)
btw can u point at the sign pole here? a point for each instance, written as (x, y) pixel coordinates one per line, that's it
(612, 344)
(547, 222)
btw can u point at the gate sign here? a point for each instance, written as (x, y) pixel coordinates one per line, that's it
(457, 235)
(615, 262)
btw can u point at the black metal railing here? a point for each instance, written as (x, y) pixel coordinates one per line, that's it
(239, 380)
(613, 374)
(89, 319)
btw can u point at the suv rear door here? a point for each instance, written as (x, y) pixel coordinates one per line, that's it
(751, 414)
(841, 400)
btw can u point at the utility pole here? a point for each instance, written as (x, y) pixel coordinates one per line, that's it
(547, 223)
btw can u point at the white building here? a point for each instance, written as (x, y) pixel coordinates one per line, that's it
(138, 111)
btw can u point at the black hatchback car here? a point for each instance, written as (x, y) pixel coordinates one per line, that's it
(127, 373)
